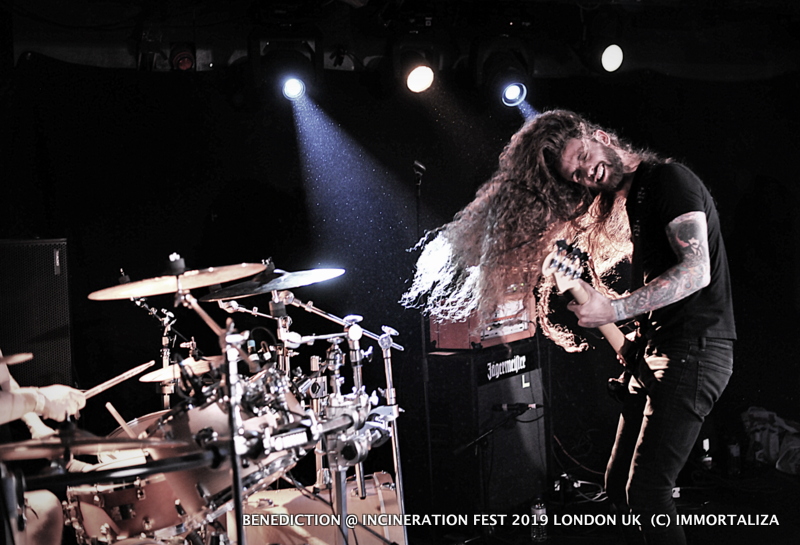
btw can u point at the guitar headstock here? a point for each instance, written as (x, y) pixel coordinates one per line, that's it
(565, 264)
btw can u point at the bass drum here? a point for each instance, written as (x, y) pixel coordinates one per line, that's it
(381, 499)
(112, 512)
(207, 493)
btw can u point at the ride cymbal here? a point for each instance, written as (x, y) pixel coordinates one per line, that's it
(188, 280)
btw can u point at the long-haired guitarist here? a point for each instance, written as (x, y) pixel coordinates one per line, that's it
(562, 176)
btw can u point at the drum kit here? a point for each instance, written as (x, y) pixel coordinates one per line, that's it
(188, 473)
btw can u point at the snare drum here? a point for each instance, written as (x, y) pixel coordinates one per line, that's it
(135, 507)
(139, 426)
(207, 493)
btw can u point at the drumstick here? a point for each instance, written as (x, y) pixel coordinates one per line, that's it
(91, 392)
(124, 425)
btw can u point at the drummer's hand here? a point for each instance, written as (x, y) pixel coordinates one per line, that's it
(61, 401)
(40, 430)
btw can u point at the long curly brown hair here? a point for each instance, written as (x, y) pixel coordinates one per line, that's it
(492, 251)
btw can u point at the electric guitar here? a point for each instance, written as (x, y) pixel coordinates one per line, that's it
(565, 265)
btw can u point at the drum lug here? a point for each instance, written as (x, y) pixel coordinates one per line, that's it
(206, 436)
(98, 500)
(107, 533)
(140, 493)
(203, 492)
(72, 518)
(179, 508)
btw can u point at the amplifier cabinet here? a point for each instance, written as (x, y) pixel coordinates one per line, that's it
(35, 309)
(486, 459)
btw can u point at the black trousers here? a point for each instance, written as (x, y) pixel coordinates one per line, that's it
(672, 392)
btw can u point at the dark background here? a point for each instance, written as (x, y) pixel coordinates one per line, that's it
(131, 165)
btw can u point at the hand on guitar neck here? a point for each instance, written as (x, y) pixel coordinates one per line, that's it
(565, 265)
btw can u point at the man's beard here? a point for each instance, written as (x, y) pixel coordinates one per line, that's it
(615, 171)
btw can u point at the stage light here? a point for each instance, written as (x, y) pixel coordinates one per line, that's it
(500, 70)
(514, 94)
(605, 39)
(505, 78)
(290, 63)
(182, 57)
(420, 78)
(293, 88)
(415, 63)
(612, 57)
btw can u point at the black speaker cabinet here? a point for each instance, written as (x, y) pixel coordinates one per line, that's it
(486, 459)
(35, 309)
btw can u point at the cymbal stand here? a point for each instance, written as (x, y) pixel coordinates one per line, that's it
(318, 393)
(309, 307)
(231, 343)
(277, 307)
(232, 306)
(354, 333)
(335, 360)
(385, 343)
(168, 338)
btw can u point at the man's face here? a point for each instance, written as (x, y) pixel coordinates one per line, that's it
(591, 163)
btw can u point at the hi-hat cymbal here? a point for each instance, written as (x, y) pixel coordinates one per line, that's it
(78, 442)
(189, 280)
(14, 359)
(280, 280)
(198, 367)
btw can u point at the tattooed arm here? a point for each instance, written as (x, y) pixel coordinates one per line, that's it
(688, 236)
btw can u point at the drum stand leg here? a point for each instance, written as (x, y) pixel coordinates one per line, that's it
(385, 343)
(340, 505)
(233, 390)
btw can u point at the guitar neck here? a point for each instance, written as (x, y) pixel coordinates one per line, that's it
(611, 332)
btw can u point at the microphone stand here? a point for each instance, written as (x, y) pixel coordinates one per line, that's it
(419, 171)
(480, 442)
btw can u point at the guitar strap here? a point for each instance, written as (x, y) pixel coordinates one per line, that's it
(637, 272)
(637, 268)
(618, 387)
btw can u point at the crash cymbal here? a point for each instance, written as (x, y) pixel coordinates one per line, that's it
(198, 367)
(279, 280)
(189, 280)
(78, 442)
(14, 359)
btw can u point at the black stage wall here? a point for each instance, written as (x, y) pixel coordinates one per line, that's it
(129, 167)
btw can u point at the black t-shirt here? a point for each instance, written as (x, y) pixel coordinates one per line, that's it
(660, 193)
